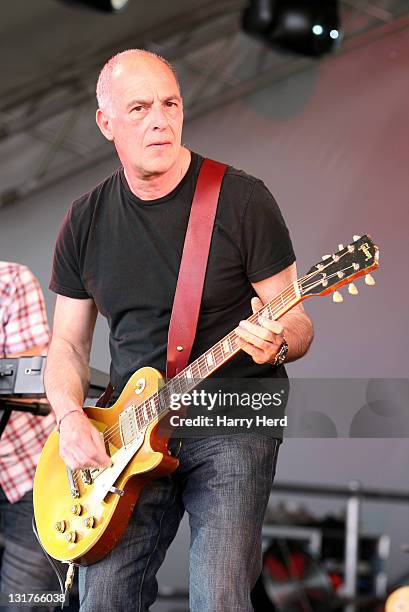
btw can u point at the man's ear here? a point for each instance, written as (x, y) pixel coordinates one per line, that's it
(104, 124)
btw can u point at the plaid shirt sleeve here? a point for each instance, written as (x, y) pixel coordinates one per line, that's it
(25, 319)
(23, 326)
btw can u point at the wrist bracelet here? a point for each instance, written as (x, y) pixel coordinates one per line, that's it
(64, 415)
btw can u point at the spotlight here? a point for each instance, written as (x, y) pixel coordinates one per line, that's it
(107, 6)
(308, 27)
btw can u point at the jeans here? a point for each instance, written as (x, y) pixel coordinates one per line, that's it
(24, 567)
(224, 484)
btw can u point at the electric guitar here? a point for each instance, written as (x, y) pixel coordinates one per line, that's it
(81, 514)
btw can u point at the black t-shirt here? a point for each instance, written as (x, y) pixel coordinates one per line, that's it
(125, 253)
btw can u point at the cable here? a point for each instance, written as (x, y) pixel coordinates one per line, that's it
(70, 572)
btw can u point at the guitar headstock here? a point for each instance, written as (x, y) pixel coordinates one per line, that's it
(356, 259)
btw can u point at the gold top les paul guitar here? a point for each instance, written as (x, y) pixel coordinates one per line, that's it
(81, 514)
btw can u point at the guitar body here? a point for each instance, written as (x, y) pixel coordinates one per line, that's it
(85, 528)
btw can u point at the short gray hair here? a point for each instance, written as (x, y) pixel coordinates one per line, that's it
(103, 89)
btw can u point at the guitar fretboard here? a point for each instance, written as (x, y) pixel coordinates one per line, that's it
(210, 361)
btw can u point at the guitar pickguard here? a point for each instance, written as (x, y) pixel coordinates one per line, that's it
(105, 479)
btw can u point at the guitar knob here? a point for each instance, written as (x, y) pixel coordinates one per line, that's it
(76, 509)
(337, 297)
(71, 536)
(369, 279)
(89, 522)
(355, 238)
(352, 289)
(60, 526)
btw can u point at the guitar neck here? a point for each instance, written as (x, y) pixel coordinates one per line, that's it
(210, 361)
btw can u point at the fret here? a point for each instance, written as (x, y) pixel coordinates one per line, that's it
(137, 411)
(152, 406)
(210, 358)
(195, 369)
(234, 341)
(282, 300)
(275, 311)
(178, 381)
(203, 365)
(164, 399)
(297, 285)
(220, 347)
(184, 384)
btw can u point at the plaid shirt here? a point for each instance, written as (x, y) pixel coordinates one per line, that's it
(23, 326)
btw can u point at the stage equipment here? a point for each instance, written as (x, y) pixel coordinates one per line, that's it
(22, 376)
(356, 563)
(291, 579)
(307, 27)
(22, 387)
(107, 6)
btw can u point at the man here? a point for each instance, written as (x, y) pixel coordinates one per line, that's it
(118, 252)
(23, 331)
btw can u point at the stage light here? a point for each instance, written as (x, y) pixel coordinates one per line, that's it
(308, 27)
(107, 6)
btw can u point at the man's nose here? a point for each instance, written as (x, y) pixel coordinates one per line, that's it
(158, 117)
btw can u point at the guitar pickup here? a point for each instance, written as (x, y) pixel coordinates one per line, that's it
(128, 425)
(72, 483)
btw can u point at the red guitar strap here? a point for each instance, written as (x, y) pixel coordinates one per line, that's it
(192, 271)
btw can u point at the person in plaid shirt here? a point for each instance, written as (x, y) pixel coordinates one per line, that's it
(23, 331)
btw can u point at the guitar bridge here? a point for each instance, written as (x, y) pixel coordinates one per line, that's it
(86, 476)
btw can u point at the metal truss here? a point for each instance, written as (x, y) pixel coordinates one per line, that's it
(47, 130)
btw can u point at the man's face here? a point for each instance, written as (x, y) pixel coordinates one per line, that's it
(146, 116)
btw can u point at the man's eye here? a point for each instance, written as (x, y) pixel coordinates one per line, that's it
(170, 104)
(137, 108)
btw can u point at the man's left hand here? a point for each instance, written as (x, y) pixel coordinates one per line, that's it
(262, 341)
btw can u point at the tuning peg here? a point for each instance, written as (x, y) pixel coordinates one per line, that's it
(352, 289)
(340, 247)
(337, 297)
(355, 238)
(369, 279)
(324, 257)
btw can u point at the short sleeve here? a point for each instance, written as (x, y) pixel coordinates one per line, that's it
(25, 323)
(66, 276)
(265, 241)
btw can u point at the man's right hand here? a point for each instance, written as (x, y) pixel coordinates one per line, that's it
(81, 445)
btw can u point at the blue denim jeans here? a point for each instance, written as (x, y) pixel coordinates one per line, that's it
(24, 567)
(223, 483)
